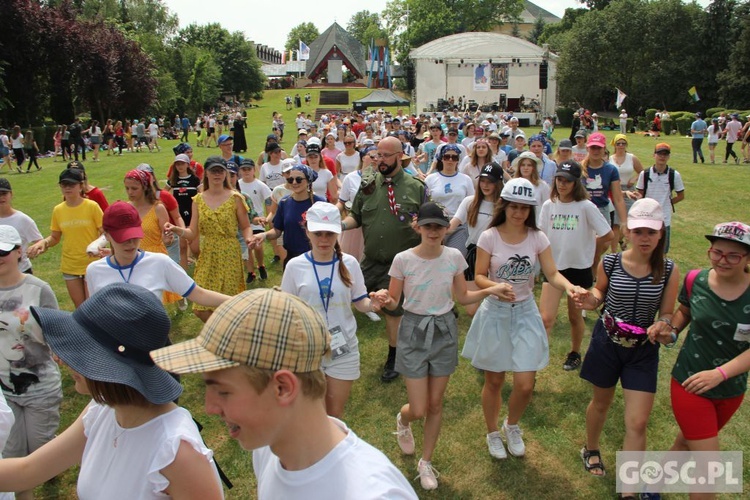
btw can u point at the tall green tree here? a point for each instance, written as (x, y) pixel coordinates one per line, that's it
(305, 32)
(365, 26)
(734, 81)
(536, 31)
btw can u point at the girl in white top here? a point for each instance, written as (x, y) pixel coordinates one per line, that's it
(352, 241)
(331, 281)
(526, 166)
(348, 161)
(326, 181)
(131, 441)
(429, 275)
(714, 132)
(473, 164)
(573, 225)
(448, 186)
(630, 168)
(476, 213)
(508, 334)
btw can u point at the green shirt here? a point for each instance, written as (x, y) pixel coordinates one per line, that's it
(387, 234)
(719, 332)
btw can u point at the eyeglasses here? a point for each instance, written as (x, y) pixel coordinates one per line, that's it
(5, 253)
(621, 144)
(450, 157)
(731, 258)
(387, 155)
(295, 180)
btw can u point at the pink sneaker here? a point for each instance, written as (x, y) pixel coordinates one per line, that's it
(404, 436)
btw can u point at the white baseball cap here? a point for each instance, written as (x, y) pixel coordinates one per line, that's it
(323, 216)
(9, 238)
(519, 190)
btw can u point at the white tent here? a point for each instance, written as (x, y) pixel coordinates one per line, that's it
(448, 67)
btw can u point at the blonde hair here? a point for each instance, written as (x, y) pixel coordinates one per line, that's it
(313, 383)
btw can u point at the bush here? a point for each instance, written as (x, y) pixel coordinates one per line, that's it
(679, 114)
(643, 125)
(683, 125)
(565, 115)
(666, 127)
(651, 114)
(710, 112)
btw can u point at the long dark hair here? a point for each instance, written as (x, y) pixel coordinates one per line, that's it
(472, 214)
(175, 177)
(580, 192)
(499, 217)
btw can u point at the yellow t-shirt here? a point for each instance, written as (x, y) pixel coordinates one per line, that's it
(79, 227)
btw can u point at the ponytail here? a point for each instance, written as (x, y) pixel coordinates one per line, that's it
(343, 271)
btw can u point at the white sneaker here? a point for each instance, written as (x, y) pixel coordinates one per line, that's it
(372, 315)
(513, 435)
(404, 436)
(495, 444)
(427, 475)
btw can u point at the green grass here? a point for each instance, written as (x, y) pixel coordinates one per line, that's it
(554, 422)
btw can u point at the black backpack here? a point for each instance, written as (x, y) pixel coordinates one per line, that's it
(647, 177)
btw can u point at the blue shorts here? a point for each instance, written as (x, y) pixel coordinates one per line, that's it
(606, 363)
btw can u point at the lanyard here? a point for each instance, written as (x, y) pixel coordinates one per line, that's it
(324, 297)
(131, 267)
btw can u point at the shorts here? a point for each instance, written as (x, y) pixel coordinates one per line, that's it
(700, 417)
(95, 139)
(173, 250)
(344, 368)
(427, 345)
(606, 214)
(377, 278)
(37, 420)
(628, 203)
(211, 130)
(4, 152)
(71, 277)
(507, 337)
(606, 362)
(581, 277)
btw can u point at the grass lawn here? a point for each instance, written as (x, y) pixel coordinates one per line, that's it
(554, 422)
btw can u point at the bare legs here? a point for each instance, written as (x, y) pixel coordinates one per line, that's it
(425, 401)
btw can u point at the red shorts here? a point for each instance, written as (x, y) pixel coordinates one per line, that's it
(700, 417)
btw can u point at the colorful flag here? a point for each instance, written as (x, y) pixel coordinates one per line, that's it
(304, 51)
(620, 97)
(283, 57)
(694, 94)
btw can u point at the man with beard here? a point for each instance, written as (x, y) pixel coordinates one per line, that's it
(384, 207)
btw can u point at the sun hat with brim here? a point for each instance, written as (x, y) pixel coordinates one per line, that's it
(647, 213)
(732, 231)
(109, 337)
(526, 155)
(323, 216)
(122, 222)
(9, 238)
(263, 328)
(519, 190)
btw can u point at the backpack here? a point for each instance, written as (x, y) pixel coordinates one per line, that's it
(647, 178)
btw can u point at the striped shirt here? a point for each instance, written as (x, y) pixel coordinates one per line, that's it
(633, 300)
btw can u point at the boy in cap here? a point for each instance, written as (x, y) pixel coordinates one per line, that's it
(260, 355)
(658, 181)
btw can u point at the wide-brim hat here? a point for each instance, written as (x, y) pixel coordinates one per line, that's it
(526, 155)
(109, 337)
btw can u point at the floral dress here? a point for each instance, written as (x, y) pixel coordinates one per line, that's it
(219, 267)
(152, 242)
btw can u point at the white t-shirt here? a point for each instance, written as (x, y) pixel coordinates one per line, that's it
(153, 130)
(28, 231)
(155, 272)
(579, 153)
(300, 279)
(320, 186)
(258, 193)
(541, 193)
(350, 186)
(659, 189)
(353, 469)
(514, 264)
(6, 423)
(572, 229)
(18, 141)
(486, 211)
(449, 190)
(713, 134)
(270, 175)
(428, 283)
(130, 469)
(460, 146)
(348, 163)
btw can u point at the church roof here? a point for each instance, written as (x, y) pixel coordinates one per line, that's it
(347, 46)
(531, 12)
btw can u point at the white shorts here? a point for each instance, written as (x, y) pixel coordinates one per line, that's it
(344, 368)
(506, 337)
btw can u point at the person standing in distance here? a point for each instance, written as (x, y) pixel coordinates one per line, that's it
(384, 208)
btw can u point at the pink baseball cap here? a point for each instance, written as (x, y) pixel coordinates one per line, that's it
(597, 139)
(646, 212)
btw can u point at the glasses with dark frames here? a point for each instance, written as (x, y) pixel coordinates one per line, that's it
(295, 180)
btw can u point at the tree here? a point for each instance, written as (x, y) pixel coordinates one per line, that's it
(536, 31)
(734, 81)
(714, 47)
(555, 35)
(595, 4)
(365, 27)
(305, 32)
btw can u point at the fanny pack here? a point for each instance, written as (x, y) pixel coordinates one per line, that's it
(622, 333)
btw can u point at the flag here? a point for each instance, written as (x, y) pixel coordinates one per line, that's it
(283, 57)
(620, 97)
(291, 55)
(304, 51)
(694, 94)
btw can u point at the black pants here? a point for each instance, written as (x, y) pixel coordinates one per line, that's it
(32, 159)
(729, 151)
(184, 137)
(697, 151)
(78, 141)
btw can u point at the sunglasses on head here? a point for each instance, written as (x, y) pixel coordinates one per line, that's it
(295, 180)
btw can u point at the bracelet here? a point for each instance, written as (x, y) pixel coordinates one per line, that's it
(673, 342)
(723, 373)
(665, 320)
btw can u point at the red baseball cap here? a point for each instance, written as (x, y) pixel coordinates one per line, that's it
(122, 222)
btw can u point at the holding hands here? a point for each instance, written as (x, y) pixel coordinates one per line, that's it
(662, 331)
(503, 292)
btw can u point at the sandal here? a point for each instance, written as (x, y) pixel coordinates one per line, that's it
(586, 457)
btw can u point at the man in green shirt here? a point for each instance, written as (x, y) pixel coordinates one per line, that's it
(384, 207)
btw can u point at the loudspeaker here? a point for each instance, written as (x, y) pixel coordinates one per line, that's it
(543, 69)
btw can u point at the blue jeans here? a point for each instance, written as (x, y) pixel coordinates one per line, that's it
(697, 143)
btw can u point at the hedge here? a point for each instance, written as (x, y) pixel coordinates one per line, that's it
(683, 125)
(565, 115)
(651, 114)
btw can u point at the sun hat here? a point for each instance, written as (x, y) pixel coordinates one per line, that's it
(71, 175)
(109, 337)
(597, 139)
(526, 155)
(323, 216)
(519, 190)
(182, 157)
(122, 221)
(432, 213)
(9, 238)
(647, 213)
(5, 185)
(215, 161)
(263, 328)
(570, 170)
(662, 147)
(732, 231)
(565, 144)
(492, 171)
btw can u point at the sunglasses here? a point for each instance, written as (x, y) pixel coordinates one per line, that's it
(5, 253)
(295, 180)
(621, 144)
(450, 157)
